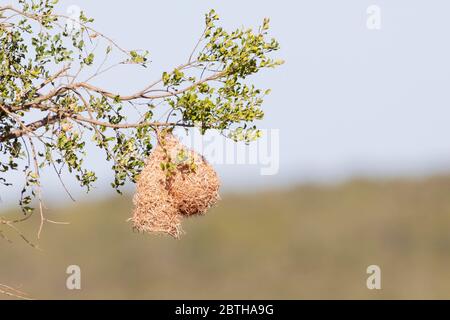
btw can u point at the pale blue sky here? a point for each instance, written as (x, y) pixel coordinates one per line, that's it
(349, 101)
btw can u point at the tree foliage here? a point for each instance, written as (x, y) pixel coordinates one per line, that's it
(50, 109)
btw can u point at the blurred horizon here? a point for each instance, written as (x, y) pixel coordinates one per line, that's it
(307, 242)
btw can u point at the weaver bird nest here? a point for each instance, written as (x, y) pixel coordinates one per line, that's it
(175, 183)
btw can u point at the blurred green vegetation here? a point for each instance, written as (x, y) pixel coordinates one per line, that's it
(304, 242)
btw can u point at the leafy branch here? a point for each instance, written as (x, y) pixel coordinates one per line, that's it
(50, 107)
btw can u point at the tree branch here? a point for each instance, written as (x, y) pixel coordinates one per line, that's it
(30, 128)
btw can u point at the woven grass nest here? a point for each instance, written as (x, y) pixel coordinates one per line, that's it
(175, 183)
